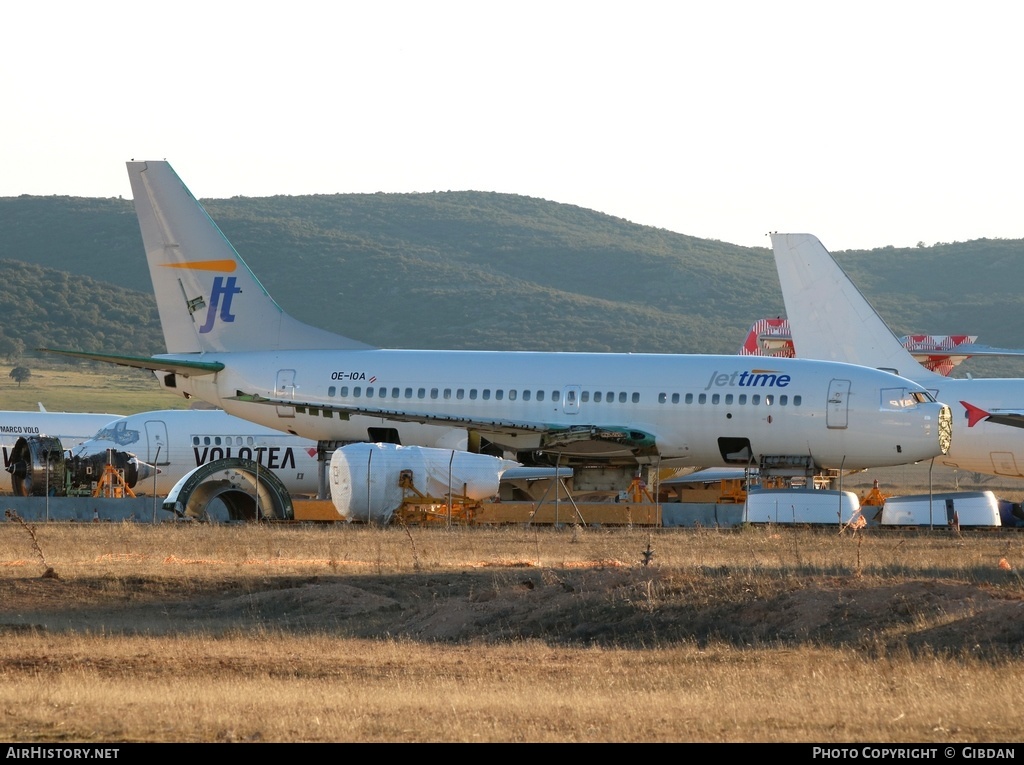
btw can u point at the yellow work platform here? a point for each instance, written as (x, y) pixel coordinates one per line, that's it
(496, 513)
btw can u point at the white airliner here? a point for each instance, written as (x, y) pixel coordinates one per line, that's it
(178, 440)
(937, 353)
(72, 428)
(830, 319)
(230, 344)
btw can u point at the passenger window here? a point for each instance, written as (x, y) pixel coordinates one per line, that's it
(511, 395)
(526, 395)
(797, 400)
(622, 397)
(585, 396)
(433, 393)
(742, 399)
(459, 394)
(499, 394)
(714, 398)
(395, 392)
(636, 398)
(540, 395)
(408, 392)
(783, 400)
(344, 391)
(702, 398)
(447, 393)
(487, 394)
(675, 398)
(597, 397)
(689, 398)
(421, 393)
(728, 399)
(357, 392)
(662, 398)
(768, 400)
(472, 394)
(755, 399)
(331, 391)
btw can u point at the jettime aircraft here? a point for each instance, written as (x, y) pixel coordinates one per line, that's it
(230, 344)
(830, 319)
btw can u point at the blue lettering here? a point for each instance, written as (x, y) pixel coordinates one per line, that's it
(227, 290)
(751, 379)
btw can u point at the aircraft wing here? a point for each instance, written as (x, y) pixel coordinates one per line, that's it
(553, 437)
(1014, 418)
(153, 363)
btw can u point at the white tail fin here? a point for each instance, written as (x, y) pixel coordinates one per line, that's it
(829, 318)
(207, 297)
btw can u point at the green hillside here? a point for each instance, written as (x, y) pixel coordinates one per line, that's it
(476, 270)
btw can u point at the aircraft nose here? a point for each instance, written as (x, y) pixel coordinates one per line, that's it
(945, 428)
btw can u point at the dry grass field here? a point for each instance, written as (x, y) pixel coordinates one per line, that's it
(292, 633)
(348, 633)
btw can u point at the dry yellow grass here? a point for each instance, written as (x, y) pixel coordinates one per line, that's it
(351, 633)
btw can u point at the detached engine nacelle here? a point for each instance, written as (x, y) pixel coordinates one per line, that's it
(40, 466)
(37, 467)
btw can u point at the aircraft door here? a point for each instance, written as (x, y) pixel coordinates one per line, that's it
(285, 388)
(158, 449)
(838, 410)
(571, 399)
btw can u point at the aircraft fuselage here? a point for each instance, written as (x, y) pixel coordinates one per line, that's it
(687, 410)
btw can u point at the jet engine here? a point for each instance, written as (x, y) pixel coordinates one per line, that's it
(39, 466)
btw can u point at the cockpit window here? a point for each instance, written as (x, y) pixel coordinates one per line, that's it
(900, 398)
(119, 434)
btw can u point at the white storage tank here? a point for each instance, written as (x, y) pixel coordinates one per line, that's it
(968, 508)
(798, 506)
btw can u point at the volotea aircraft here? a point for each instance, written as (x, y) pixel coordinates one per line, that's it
(830, 319)
(72, 428)
(176, 441)
(230, 344)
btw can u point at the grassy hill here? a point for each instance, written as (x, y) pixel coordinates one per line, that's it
(475, 270)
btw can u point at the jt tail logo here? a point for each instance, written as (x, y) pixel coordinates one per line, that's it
(227, 290)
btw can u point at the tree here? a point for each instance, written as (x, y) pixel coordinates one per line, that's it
(20, 374)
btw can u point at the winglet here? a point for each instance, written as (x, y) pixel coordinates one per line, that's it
(974, 414)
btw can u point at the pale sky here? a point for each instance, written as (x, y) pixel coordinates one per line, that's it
(867, 124)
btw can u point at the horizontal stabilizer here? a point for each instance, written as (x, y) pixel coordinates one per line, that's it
(1014, 418)
(153, 363)
(936, 353)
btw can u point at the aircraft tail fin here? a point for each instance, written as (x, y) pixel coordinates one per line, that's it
(828, 316)
(207, 297)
